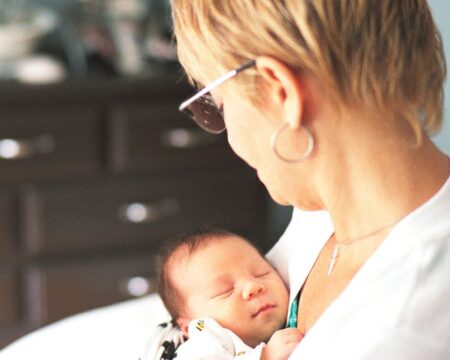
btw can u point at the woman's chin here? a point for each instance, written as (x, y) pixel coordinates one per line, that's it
(277, 197)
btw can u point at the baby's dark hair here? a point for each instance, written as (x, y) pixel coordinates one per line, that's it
(190, 242)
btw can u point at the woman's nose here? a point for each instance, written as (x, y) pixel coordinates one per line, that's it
(252, 289)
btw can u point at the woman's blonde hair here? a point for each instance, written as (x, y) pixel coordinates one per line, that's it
(382, 54)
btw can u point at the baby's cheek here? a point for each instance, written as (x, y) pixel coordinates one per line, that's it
(230, 315)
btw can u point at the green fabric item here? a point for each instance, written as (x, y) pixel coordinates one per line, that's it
(292, 320)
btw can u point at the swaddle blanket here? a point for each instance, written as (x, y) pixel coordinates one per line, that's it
(164, 342)
(208, 340)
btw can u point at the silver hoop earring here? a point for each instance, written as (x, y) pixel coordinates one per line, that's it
(304, 156)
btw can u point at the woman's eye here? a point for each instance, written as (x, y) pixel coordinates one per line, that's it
(221, 109)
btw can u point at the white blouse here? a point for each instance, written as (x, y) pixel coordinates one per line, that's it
(397, 306)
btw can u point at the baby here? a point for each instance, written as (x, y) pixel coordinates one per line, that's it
(226, 298)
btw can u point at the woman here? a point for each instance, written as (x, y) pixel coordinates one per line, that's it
(333, 102)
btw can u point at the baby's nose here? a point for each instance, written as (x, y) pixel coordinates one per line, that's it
(252, 289)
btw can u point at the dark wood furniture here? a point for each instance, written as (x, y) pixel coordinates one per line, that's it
(93, 177)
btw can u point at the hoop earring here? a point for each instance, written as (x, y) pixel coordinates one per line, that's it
(304, 156)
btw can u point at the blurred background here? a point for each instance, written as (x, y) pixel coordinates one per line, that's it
(50, 40)
(441, 13)
(98, 168)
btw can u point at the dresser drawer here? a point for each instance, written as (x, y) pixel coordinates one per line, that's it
(45, 143)
(10, 295)
(65, 289)
(8, 224)
(140, 211)
(159, 137)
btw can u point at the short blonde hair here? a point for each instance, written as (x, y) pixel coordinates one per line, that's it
(384, 55)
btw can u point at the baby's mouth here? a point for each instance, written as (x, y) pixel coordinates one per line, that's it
(263, 309)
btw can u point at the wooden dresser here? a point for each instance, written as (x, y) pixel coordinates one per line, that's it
(93, 177)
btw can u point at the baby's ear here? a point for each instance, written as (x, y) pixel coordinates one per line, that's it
(183, 323)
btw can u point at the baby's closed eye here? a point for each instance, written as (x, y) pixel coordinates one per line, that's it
(223, 292)
(261, 274)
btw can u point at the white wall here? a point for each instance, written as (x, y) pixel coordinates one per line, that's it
(441, 12)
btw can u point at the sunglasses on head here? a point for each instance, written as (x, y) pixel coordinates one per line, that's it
(202, 108)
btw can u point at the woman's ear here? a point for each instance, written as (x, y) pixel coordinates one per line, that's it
(183, 323)
(284, 87)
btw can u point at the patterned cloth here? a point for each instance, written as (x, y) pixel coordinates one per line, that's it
(165, 342)
(208, 340)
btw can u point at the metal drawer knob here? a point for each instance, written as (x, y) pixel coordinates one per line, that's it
(11, 149)
(138, 212)
(137, 286)
(182, 138)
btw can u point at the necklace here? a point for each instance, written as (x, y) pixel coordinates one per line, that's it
(337, 246)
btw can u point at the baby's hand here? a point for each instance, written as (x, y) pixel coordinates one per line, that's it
(281, 344)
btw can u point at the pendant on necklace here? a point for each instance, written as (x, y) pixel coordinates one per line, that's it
(333, 259)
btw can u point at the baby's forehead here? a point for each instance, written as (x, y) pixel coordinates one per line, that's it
(236, 247)
(179, 256)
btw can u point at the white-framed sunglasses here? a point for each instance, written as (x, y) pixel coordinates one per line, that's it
(202, 108)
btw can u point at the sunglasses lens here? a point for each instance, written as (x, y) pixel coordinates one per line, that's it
(206, 114)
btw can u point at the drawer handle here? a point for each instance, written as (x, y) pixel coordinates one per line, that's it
(12, 149)
(182, 138)
(139, 213)
(137, 286)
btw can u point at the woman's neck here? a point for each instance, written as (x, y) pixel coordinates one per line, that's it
(373, 179)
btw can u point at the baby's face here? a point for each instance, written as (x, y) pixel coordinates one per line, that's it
(229, 281)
